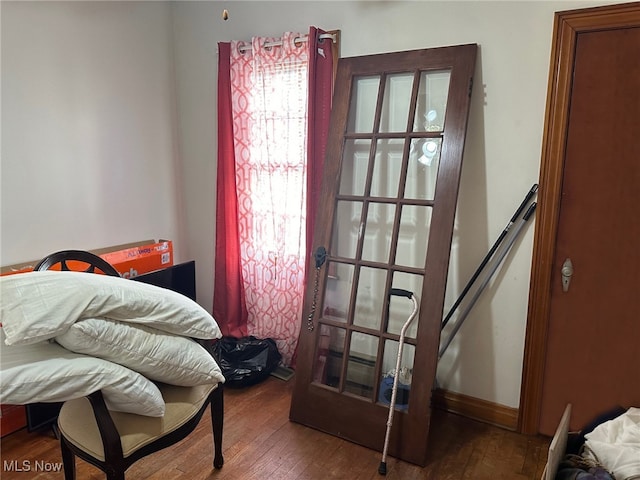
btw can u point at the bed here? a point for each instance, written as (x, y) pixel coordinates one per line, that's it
(109, 346)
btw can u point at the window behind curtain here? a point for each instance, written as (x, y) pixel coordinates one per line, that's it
(265, 96)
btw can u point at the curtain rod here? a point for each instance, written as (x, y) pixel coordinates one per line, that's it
(278, 43)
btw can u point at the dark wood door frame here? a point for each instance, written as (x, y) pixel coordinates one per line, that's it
(567, 26)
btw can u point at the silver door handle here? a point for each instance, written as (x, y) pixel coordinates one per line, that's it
(567, 273)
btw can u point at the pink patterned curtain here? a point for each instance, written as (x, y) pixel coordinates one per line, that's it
(269, 104)
(261, 214)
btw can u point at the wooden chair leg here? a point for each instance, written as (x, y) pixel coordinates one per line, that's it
(114, 474)
(68, 460)
(217, 420)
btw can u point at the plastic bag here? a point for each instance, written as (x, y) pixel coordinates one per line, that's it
(246, 361)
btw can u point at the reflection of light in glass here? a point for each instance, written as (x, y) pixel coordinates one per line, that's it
(430, 117)
(429, 150)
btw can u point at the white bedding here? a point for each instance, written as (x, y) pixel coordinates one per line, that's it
(47, 372)
(37, 306)
(118, 333)
(616, 445)
(160, 356)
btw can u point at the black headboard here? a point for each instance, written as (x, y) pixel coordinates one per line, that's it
(180, 278)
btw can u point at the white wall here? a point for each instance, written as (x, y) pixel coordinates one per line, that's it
(502, 153)
(89, 155)
(109, 135)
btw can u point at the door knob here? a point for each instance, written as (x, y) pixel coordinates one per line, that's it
(567, 273)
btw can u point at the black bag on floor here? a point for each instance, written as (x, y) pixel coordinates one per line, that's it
(246, 361)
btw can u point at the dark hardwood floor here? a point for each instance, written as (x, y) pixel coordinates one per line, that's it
(261, 443)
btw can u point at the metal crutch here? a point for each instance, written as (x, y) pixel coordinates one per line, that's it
(382, 469)
(500, 256)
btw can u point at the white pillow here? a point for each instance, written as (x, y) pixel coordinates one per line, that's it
(158, 355)
(41, 305)
(46, 372)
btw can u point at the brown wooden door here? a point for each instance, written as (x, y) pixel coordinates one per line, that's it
(389, 194)
(593, 331)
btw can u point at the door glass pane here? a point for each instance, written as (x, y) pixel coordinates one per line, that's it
(362, 109)
(337, 291)
(355, 161)
(396, 102)
(387, 168)
(370, 297)
(346, 229)
(413, 236)
(328, 363)
(422, 171)
(378, 231)
(363, 352)
(432, 101)
(400, 308)
(389, 360)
